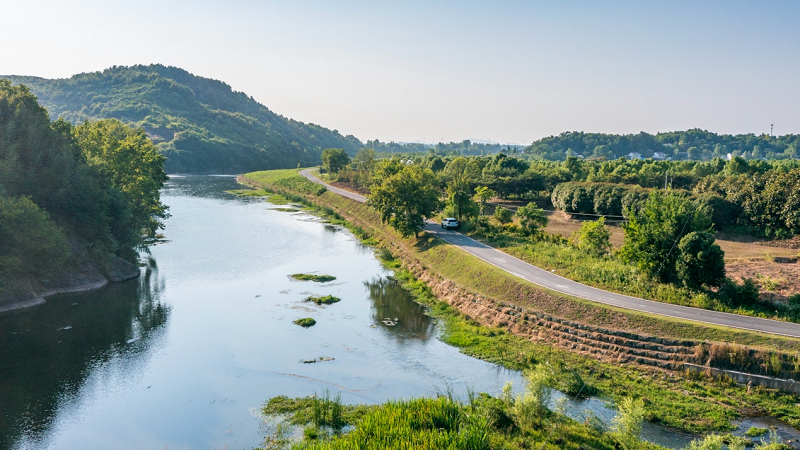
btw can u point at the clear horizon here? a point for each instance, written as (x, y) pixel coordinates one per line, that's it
(508, 72)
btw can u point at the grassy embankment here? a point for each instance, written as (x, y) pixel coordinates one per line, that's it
(690, 402)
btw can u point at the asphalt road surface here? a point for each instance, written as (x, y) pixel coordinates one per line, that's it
(563, 285)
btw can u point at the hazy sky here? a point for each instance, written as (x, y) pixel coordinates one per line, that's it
(507, 71)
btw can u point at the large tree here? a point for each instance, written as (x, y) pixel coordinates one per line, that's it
(404, 195)
(460, 176)
(653, 232)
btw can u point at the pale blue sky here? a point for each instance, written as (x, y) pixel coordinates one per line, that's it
(508, 71)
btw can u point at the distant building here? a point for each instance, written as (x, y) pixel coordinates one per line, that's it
(634, 155)
(659, 155)
(729, 156)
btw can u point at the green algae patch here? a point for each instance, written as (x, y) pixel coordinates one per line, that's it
(305, 322)
(325, 300)
(313, 277)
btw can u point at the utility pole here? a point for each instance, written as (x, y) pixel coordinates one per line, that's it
(770, 128)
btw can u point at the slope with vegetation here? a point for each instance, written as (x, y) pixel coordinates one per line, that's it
(199, 124)
(74, 201)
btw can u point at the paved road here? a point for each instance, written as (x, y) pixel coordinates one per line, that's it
(563, 285)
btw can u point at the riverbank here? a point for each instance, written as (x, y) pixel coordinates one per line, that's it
(687, 401)
(79, 277)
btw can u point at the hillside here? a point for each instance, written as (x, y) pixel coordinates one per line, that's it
(201, 125)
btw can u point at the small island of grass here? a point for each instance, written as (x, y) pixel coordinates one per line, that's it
(305, 322)
(312, 277)
(756, 432)
(325, 300)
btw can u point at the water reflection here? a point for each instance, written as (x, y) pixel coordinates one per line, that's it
(47, 352)
(394, 310)
(212, 187)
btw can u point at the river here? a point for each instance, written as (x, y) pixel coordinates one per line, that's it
(183, 356)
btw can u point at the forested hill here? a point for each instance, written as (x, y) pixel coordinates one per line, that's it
(201, 125)
(694, 144)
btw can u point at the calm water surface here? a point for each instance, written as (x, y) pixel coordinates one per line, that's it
(185, 355)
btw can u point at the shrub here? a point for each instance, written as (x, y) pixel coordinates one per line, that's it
(503, 215)
(700, 261)
(532, 218)
(594, 237)
(627, 424)
(733, 294)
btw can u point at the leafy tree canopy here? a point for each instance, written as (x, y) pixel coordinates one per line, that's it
(653, 232)
(334, 159)
(404, 195)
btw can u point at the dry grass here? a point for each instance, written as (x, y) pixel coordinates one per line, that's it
(561, 223)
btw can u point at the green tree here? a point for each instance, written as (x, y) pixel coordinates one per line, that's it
(482, 195)
(128, 161)
(594, 237)
(652, 233)
(460, 174)
(532, 218)
(334, 159)
(700, 261)
(364, 164)
(404, 198)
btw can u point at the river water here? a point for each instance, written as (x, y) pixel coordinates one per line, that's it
(184, 356)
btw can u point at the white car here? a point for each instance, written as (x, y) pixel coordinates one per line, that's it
(449, 223)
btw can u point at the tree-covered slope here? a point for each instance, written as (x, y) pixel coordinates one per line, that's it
(199, 124)
(74, 201)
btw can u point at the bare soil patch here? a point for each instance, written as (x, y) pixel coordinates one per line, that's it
(776, 281)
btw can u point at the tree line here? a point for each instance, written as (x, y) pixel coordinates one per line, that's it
(693, 145)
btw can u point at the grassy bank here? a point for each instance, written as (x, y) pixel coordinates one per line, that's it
(437, 423)
(690, 402)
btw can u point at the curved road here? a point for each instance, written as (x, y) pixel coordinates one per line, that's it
(563, 285)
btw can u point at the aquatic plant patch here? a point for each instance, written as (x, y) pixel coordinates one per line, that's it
(324, 300)
(312, 277)
(305, 322)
